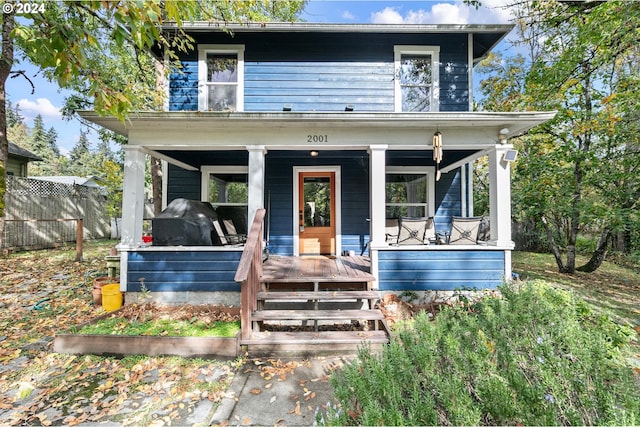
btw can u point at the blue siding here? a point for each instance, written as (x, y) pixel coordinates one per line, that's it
(179, 271)
(183, 183)
(319, 86)
(423, 270)
(183, 87)
(448, 199)
(325, 71)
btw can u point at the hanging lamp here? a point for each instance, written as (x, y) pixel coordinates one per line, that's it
(437, 151)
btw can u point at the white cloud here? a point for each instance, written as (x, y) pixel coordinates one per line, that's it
(491, 12)
(41, 106)
(348, 16)
(387, 16)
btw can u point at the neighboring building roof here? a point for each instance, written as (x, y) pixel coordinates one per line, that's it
(87, 181)
(17, 151)
(485, 37)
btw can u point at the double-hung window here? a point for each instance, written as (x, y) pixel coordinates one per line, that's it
(416, 78)
(221, 77)
(409, 192)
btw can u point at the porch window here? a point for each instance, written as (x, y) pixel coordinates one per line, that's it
(221, 78)
(409, 192)
(225, 185)
(416, 78)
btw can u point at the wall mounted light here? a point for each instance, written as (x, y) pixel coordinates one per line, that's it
(314, 153)
(502, 135)
(348, 107)
(286, 107)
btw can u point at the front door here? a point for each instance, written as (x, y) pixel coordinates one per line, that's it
(317, 213)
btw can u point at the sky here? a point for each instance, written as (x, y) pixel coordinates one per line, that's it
(47, 98)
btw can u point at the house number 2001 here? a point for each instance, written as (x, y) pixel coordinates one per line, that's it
(317, 138)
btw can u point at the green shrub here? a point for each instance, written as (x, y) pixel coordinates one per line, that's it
(536, 356)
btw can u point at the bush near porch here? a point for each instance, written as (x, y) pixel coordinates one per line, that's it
(536, 356)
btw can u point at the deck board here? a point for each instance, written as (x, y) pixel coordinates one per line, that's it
(324, 337)
(320, 269)
(320, 296)
(267, 315)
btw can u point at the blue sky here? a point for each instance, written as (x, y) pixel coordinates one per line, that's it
(47, 98)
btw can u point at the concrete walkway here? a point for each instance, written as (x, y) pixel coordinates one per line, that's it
(285, 392)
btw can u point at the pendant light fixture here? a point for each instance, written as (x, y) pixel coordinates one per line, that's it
(437, 151)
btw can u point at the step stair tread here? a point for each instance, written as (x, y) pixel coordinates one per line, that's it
(317, 315)
(321, 295)
(316, 338)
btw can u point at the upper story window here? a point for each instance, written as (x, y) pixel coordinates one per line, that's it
(221, 77)
(416, 78)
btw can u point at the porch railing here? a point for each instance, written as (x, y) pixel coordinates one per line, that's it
(249, 273)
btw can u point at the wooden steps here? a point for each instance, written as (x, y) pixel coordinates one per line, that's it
(308, 344)
(335, 315)
(320, 296)
(315, 305)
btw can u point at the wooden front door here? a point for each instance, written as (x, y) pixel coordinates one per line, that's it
(317, 213)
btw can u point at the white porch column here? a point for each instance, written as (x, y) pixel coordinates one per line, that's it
(133, 196)
(256, 180)
(500, 196)
(377, 164)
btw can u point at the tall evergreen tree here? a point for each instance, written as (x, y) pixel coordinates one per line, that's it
(39, 143)
(14, 117)
(52, 142)
(80, 156)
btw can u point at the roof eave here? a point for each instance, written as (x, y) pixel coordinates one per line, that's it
(515, 123)
(206, 26)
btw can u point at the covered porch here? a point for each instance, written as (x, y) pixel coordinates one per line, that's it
(275, 144)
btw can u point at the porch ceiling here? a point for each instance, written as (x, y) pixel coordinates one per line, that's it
(194, 160)
(199, 131)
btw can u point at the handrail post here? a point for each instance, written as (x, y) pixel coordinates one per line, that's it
(249, 273)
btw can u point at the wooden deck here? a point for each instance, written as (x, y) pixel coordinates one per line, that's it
(317, 269)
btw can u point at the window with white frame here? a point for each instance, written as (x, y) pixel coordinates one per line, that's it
(409, 192)
(225, 185)
(221, 77)
(416, 78)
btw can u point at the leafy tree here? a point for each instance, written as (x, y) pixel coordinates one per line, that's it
(578, 53)
(71, 40)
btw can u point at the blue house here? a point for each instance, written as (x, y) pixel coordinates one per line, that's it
(339, 132)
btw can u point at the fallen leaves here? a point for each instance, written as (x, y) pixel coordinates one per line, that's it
(42, 388)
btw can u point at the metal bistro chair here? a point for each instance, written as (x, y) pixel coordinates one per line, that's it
(416, 231)
(464, 231)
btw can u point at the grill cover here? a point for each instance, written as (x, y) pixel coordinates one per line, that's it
(185, 223)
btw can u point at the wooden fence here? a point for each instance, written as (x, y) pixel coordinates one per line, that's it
(43, 214)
